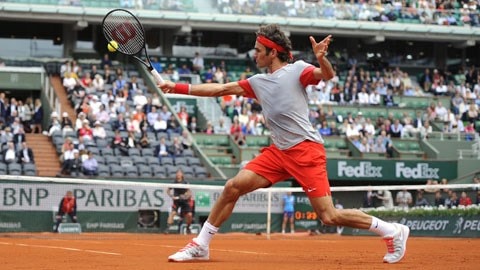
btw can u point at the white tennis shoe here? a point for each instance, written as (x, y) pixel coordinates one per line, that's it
(191, 252)
(396, 244)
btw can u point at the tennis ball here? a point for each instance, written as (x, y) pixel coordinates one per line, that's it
(112, 46)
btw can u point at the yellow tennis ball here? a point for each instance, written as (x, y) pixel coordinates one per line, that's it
(112, 46)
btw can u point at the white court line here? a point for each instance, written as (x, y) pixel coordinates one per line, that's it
(64, 248)
(212, 249)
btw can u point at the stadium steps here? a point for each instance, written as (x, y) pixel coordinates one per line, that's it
(61, 94)
(46, 158)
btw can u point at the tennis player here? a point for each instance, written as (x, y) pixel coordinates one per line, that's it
(297, 150)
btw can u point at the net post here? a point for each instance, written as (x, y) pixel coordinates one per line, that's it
(269, 213)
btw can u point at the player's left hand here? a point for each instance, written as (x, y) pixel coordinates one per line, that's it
(320, 48)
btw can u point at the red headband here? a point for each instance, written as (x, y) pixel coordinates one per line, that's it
(270, 44)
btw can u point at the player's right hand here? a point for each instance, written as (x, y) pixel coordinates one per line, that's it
(167, 87)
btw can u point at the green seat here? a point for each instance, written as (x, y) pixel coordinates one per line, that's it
(208, 141)
(414, 146)
(401, 146)
(263, 141)
(221, 141)
(341, 144)
(328, 145)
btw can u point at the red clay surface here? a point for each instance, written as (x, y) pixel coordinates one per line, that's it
(229, 252)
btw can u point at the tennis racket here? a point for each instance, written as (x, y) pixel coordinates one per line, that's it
(125, 29)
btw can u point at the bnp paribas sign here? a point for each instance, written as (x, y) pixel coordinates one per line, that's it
(391, 170)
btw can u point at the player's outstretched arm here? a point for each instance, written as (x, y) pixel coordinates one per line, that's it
(320, 49)
(203, 90)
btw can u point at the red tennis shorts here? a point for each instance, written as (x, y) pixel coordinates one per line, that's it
(306, 162)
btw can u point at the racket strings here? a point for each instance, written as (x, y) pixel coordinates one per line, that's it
(126, 31)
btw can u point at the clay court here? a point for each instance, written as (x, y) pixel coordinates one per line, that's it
(229, 252)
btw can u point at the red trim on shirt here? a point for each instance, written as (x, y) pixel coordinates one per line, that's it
(307, 77)
(247, 88)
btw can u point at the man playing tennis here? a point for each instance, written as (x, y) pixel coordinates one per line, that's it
(297, 150)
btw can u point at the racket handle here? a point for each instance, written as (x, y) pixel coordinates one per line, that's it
(157, 76)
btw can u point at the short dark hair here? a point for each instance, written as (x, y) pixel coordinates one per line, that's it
(273, 32)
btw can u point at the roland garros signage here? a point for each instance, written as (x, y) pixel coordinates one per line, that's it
(390, 170)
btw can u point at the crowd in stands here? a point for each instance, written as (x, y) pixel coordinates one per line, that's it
(419, 11)
(447, 12)
(366, 88)
(18, 117)
(428, 197)
(114, 110)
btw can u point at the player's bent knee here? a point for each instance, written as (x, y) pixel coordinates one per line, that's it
(231, 191)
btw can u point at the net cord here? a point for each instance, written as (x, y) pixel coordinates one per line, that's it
(219, 187)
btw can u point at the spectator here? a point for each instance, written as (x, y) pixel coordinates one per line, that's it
(404, 199)
(9, 154)
(388, 99)
(68, 160)
(386, 197)
(209, 129)
(105, 61)
(139, 99)
(374, 98)
(176, 148)
(173, 126)
(98, 131)
(165, 113)
(439, 200)
(19, 138)
(197, 63)
(396, 129)
(471, 114)
(65, 120)
(325, 129)
(144, 141)
(221, 128)
(186, 140)
(90, 165)
(464, 199)
(369, 199)
(25, 155)
(162, 150)
(102, 116)
(98, 83)
(76, 167)
(237, 133)
(183, 115)
(120, 123)
(364, 146)
(432, 188)
(192, 126)
(85, 131)
(452, 200)
(54, 124)
(159, 125)
(425, 130)
(421, 201)
(184, 70)
(37, 118)
(156, 64)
